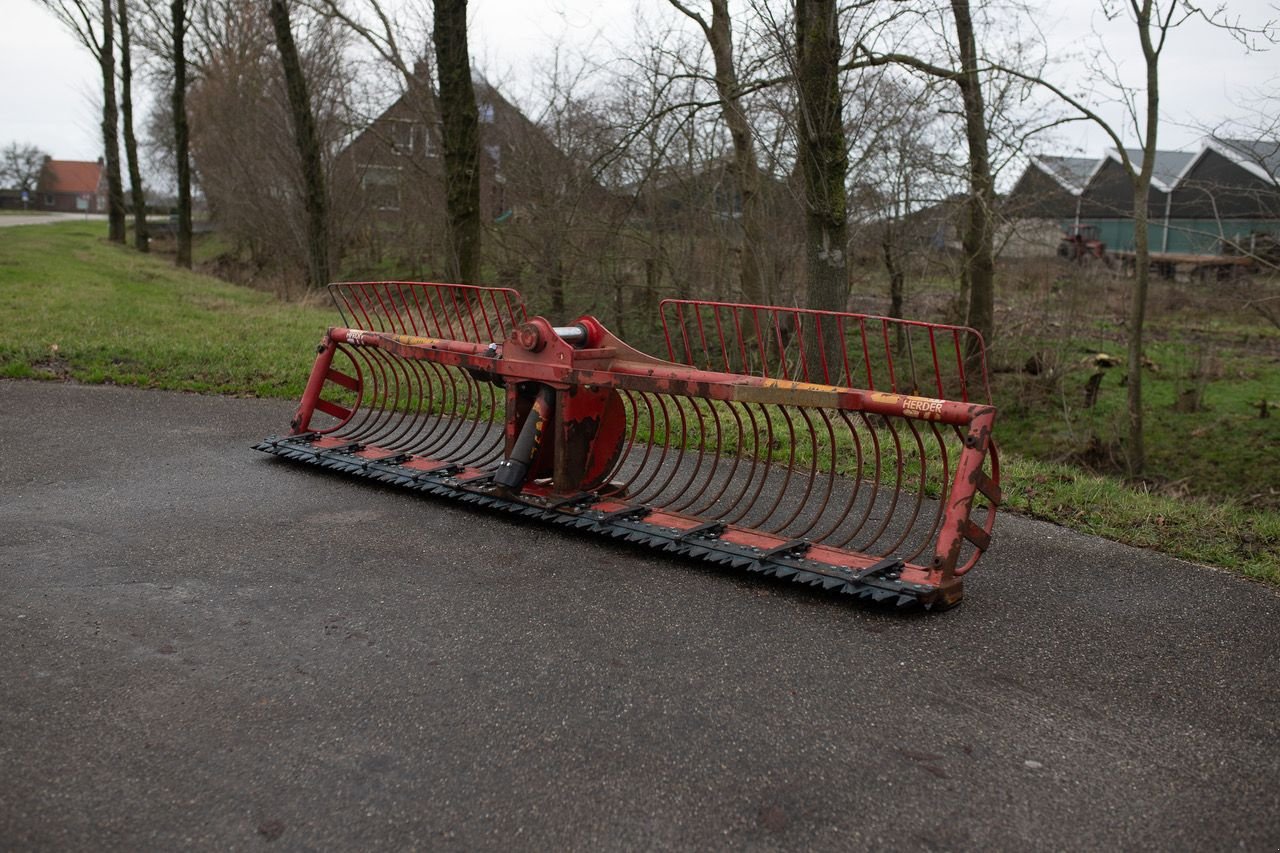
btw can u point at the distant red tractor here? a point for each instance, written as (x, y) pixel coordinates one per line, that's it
(1080, 243)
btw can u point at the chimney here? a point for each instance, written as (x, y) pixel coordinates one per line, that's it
(100, 161)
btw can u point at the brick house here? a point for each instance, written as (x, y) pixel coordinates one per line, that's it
(533, 194)
(396, 160)
(71, 186)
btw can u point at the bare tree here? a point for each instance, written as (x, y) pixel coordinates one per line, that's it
(822, 152)
(746, 169)
(308, 143)
(136, 194)
(95, 29)
(181, 130)
(460, 123)
(1153, 22)
(978, 234)
(154, 58)
(902, 168)
(20, 166)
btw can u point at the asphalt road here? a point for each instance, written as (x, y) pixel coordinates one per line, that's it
(43, 218)
(206, 647)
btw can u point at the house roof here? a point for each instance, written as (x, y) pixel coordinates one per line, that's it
(71, 176)
(1071, 172)
(1167, 168)
(1260, 156)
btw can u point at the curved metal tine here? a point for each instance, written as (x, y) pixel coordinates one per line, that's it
(399, 392)
(390, 380)
(808, 484)
(622, 488)
(457, 417)
(758, 454)
(895, 493)
(703, 453)
(661, 496)
(409, 440)
(375, 393)
(910, 522)
(875, 478)
(473, 446)
(855, 485)
(645, 427)
(762, 521)
(931, 534)
(729, 477)
(644, 493)
(493, 452)
(444, 403)
(443, 417)
(820, 509)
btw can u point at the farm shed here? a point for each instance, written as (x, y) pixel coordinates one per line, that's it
(1216, 199)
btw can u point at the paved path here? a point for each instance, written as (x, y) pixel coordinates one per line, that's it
(36, 218)
(204, 647)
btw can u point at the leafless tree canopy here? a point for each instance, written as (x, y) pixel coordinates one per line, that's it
(20, 166)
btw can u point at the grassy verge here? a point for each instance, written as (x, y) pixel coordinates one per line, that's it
(85, 310)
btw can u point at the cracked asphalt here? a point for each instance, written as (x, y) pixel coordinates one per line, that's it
(205, 647)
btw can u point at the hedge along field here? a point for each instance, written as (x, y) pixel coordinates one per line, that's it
(78, 308)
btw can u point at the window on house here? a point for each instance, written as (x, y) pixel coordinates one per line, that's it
(401, 133)
(422, 140)
(486, 113)
(381, 186)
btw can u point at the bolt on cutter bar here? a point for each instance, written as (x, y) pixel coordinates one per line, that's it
(841, 450)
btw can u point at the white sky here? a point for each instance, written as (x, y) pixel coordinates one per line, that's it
(49, 83)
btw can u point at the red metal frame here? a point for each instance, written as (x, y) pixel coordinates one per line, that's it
(760, 440)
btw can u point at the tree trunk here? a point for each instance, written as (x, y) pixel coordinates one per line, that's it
(978, 240)
(141, 237)
(1136, 456)
(181, 132)
(110, 129)
(1136, 452)
(746, 171)
(824, 166)
(897, 282)
(460, 123)
(307, 139)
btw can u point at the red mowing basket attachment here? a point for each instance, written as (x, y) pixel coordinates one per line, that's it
(841, 450)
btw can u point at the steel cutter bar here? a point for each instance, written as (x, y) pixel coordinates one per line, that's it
(751, 445)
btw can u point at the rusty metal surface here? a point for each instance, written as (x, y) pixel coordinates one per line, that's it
(860, 438)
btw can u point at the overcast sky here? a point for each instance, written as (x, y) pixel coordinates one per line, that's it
(49, 83)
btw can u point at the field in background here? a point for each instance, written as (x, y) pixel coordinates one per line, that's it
(87, 311)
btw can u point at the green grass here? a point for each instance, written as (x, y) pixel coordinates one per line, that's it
(86, 310)
(1224, 448)
(1216, 532)
(82, 309)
